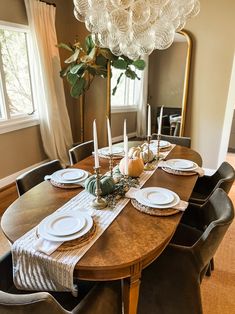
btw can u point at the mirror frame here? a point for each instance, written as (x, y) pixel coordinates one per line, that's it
(186, 80)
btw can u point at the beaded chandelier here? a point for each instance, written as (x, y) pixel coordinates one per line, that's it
(134, 27)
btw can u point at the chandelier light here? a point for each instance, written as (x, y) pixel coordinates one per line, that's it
(134, 27)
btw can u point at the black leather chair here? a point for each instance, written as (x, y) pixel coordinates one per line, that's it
(101, 298)
(80, 152)
(206, 185)
(33, 177)
(178, 140)
(171, 284)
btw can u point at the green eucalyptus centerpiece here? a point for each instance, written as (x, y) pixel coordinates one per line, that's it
(89, 61)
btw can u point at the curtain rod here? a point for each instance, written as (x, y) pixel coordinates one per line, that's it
(54, 5)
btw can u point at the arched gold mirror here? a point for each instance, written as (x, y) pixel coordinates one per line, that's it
(168, 84)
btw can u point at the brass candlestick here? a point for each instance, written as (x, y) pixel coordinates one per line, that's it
(159, 156)
(148, 166)
(98, 202)
(111, 165)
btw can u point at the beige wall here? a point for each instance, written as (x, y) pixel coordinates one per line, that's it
(117, 123)
(19, 150)
(213, 36)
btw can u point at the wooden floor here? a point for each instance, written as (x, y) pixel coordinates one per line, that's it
(218, 291)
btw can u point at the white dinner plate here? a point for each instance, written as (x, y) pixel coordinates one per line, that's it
(70, 175)
(157, 197)
(43, 231)
(116, 151)
(64, 224)
(181, 164)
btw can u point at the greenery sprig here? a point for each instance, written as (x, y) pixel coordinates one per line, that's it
(89, 61)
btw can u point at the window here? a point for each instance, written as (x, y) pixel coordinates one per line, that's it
(16, 97)
(125, 98)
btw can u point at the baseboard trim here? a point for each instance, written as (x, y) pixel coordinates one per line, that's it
(209, 172)
(10, 179)
(120, 138)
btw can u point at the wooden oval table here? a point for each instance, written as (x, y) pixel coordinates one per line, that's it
(131, 242)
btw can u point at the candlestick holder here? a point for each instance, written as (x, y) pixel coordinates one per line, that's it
(148, 166)
(111, 165)
(98, 202)
(159, 156)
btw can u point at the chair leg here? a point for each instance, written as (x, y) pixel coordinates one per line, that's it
(212, 264)
(208, 271)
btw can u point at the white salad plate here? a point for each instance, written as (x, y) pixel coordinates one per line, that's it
(45, 232)
(69, 175)
(162, 144)
(157, 197)
(64, 224)
(181, 164)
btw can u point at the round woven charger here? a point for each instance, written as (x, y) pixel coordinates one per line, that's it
(154, 211)
(65, 186)
(178, 172)
(76, 243)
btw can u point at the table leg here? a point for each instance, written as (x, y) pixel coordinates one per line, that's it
(130, 294)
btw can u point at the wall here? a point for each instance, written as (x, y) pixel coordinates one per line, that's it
(213, 37)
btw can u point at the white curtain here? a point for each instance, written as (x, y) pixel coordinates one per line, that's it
(50, 99)
(141, 101)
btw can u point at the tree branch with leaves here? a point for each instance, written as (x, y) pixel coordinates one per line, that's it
(89, 61)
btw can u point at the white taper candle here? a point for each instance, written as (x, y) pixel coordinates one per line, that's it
(160, 121)
(126, 155)
(95, 145)
(124, 130)
(149, 121)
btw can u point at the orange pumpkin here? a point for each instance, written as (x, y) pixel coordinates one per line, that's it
(135, 166)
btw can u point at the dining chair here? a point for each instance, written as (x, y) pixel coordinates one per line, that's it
(178, 140)
(206, 185)
(29, 179)
(223, 178)
(171, 284)
(81, 151)
(102, 298)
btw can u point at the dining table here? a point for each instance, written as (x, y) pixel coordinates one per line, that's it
(132, 241)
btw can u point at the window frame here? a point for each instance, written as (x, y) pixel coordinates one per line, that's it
(21, 121)
(125, 107)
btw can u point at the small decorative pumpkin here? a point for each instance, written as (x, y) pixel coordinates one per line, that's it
(107, 185)
(141, 152)
(134, 152)
(135, 166)
(146, 155)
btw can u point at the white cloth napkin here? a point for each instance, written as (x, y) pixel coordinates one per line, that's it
(182, 205)
(45, 246)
